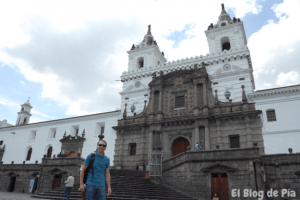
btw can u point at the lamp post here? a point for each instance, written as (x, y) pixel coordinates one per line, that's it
(132, 108)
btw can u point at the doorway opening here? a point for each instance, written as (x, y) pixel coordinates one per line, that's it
(56, 181)
(180, 145)
(12, 183)
(219, 186)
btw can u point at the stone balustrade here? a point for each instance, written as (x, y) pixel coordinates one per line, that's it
(211, 156)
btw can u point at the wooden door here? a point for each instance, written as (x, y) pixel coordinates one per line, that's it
(72, 154)
(219, 186)
(180, 146)
(56, 181)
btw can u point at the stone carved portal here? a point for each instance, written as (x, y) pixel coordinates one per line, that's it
(219, 186)
(56, 181)
(180, 146)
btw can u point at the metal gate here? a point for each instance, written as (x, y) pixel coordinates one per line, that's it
(155, 164)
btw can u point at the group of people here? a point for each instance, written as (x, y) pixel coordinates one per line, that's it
(94, 187)
(61, 155)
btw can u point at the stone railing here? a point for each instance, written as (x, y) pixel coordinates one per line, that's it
(20, 167)
(63, 161)
(188, 63)
(211, 156)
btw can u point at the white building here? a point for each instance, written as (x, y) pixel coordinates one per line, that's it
(39, 138)
(229, 66)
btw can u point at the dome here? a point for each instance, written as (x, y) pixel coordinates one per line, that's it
(27, 102)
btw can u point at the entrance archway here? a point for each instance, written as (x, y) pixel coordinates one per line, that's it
(180, 145)
(12, 183)
(56, 181)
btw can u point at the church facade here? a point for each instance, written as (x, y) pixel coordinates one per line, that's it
(167, 108)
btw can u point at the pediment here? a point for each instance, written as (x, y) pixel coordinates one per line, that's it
(136, 86)
(12, 174)
(57, 171)
(225, 70)
(218, 167)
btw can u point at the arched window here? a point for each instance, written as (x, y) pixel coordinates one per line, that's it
(29, 154)
(140, 62)
(223, 24)
(22, 109)
(49, 152)
(225, 43)
(24, 121)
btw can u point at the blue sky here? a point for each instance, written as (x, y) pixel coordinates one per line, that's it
(67, 61)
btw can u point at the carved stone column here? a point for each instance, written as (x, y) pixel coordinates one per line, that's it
(196, 108)
(150, 145)
(248, 132)
(205, 107)
(219, 138)
(160, 101)
(204, 95)
(152, 102)
(207, 138)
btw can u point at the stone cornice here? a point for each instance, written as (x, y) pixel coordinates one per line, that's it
(62, 121)
(229, 74)
(187, 63)
(274, 93)
(280, 132)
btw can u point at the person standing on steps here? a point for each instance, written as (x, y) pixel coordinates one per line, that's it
(69, 185)
(95, 182)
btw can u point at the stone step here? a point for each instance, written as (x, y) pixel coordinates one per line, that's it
(57, 196)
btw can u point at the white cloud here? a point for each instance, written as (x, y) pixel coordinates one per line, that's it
(77, 49)
(273, 48)
(36, 120)
(22, 82)
(288, 78)
(268, 85)
(42, 114)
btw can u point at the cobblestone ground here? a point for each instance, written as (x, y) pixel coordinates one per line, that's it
(16, 196)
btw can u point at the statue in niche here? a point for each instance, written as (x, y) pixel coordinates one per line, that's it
(178, 80)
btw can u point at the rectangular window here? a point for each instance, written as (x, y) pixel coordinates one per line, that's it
(32, 136)
(52, 133)
(179, 102)
(100, 127)
(74, 130)
(271, 116)
(234, 141)
(132, 149)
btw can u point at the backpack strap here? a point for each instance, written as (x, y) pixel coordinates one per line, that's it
(91, 165)
(92, 161)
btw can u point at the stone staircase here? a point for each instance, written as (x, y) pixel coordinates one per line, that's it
(126, 185)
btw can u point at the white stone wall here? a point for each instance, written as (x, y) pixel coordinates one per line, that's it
(17, 144)
(283, 133)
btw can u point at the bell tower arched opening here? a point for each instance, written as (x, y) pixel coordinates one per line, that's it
(140, 62)
(225, 42)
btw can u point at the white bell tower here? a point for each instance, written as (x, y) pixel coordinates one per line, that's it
(146, 55)
(226, 34)
(143, 60)
(24, 114)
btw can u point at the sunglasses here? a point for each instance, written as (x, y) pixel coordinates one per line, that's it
(100, 145)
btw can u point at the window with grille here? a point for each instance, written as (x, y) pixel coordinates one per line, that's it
(271, 116)
(234, 141)
(100, 128)
(32, 136)
(132, 149)
(179, 102)
(52, 133)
